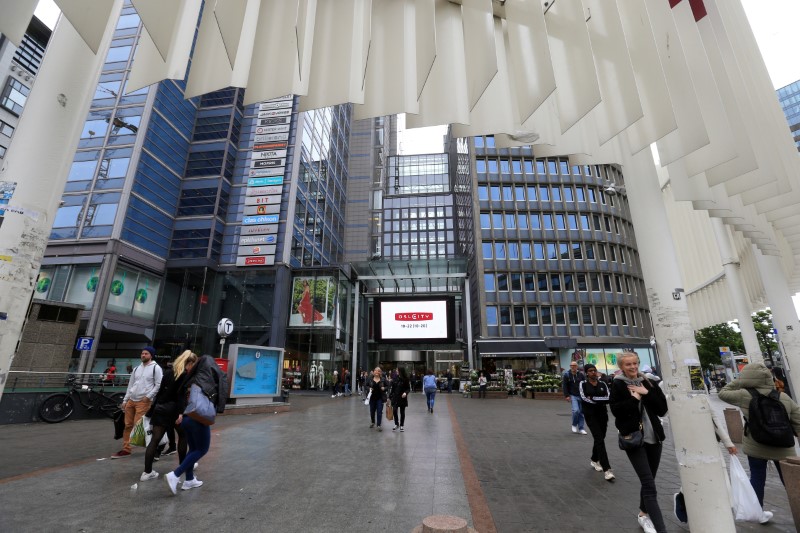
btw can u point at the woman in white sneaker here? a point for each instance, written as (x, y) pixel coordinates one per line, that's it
(379, 388)
(169, 403)
(636, 404)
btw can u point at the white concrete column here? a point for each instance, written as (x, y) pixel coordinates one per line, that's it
(702, 469)
(733, 277)
(36, 167)
(784, 315)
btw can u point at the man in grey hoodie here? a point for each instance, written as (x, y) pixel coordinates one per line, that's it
(142, 389)
(757, 376)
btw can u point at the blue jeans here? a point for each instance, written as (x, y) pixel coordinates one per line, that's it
(376, 406)
(758, 475)
(430, 396)
(199, 438)
(347, 388)
(577, 412)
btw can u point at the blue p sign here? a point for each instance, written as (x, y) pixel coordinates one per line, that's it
(84, 343)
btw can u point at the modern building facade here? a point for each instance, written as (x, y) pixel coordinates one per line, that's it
(789, 98)
(18, 69)
(559, 273)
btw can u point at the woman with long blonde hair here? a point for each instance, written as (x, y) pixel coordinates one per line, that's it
(168, 405)
(636, 404)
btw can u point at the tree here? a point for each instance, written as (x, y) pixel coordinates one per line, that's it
(762, 321)
(711, 338)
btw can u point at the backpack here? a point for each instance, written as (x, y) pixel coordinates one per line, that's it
(768, 423)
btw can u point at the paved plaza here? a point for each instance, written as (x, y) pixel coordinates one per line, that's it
(508, 465)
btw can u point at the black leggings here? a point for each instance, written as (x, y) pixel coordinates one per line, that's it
(399, 415)
(152, 448)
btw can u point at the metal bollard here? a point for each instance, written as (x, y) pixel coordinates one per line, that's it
(733, 419)
(790, 468)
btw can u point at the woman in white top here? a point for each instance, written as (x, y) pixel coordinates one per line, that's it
(482, 386)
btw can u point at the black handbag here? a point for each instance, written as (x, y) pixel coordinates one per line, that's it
(632, 440)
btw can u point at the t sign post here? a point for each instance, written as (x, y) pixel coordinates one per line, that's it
(224, 329)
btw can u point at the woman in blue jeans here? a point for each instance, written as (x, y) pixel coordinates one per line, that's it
(378, 388)
(208, 376)
(636, 404)
(429, 386)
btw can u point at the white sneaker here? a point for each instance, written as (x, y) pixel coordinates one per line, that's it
(333, 396)
(766, 517)
(583, 432)
(574, 429)
(191, 484)
(147, 477)
(647, 524)
(609, 475)
(596, 466)
(172, 482)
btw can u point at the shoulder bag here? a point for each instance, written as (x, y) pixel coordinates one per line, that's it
(633, 440)
(199, 408)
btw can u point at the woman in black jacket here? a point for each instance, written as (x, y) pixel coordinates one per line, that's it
(636, 404)
(168, 404)
(214, 385)
(401, 386)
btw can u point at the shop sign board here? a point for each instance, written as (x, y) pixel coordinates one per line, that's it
(271, 137)
(260, 219)
(262, 182)
(262, 229)
(262, 200)
(260, 172)
(267, 113)
(268, 163)
(276, 128)
(269, 154)
(275, 105)
(262, 209)
(264, 191)
(255, 260)
(252, 240)
(259, 249)
(274, 121)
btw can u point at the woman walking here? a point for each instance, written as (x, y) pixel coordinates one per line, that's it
(482, 386)
(377, 387)
(214, 385)
(166, 408)
(401, 386)
(636, 404)
(429, 386)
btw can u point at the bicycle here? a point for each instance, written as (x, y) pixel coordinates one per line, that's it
(60, 406)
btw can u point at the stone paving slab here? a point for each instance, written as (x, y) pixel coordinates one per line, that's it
(319, 468)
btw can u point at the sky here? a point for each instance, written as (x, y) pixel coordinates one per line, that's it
(774, 23)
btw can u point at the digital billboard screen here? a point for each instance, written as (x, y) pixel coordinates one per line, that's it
(424, 319)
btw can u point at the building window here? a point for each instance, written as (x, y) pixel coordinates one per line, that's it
(547, 318)
(2, 151)
(599, 316)
(505, 315)
(6, 129)
(502, 282)
(582, 282)
(573, 315)
(14, 96)
(533, 316)
(519, 315)
(488, 282)
(586, 311)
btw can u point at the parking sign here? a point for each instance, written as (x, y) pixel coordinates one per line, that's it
(84, 343)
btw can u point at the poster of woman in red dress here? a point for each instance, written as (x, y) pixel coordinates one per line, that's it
(312, 301)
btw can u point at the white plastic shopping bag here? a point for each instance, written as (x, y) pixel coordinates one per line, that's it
(148, 432)
(369, 395)
(743, 498)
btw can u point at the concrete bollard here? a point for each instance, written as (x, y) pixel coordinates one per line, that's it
(790, 468)
(443, 524)
(733, 419)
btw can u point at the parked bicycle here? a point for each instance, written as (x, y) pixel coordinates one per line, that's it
(60, 406)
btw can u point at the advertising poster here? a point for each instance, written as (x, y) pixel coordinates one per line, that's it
(313, 301)
(255, 370)
(414, 320)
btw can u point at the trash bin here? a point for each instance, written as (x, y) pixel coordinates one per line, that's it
(790, 468)
(733, 419)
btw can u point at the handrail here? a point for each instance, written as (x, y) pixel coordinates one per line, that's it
(31, 379)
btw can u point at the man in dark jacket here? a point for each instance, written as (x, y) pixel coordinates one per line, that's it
(595, 396)
(570, 381)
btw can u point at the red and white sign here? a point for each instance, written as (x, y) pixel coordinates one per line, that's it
(416, 319)
(260, 260)
(262, 200)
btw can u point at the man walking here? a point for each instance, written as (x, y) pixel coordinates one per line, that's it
(595, 396)
(570, 382)
(142, 389)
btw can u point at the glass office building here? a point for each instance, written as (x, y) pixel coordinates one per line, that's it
(789, 98)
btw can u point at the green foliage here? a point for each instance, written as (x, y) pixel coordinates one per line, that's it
(711, 338)
(762, 321)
